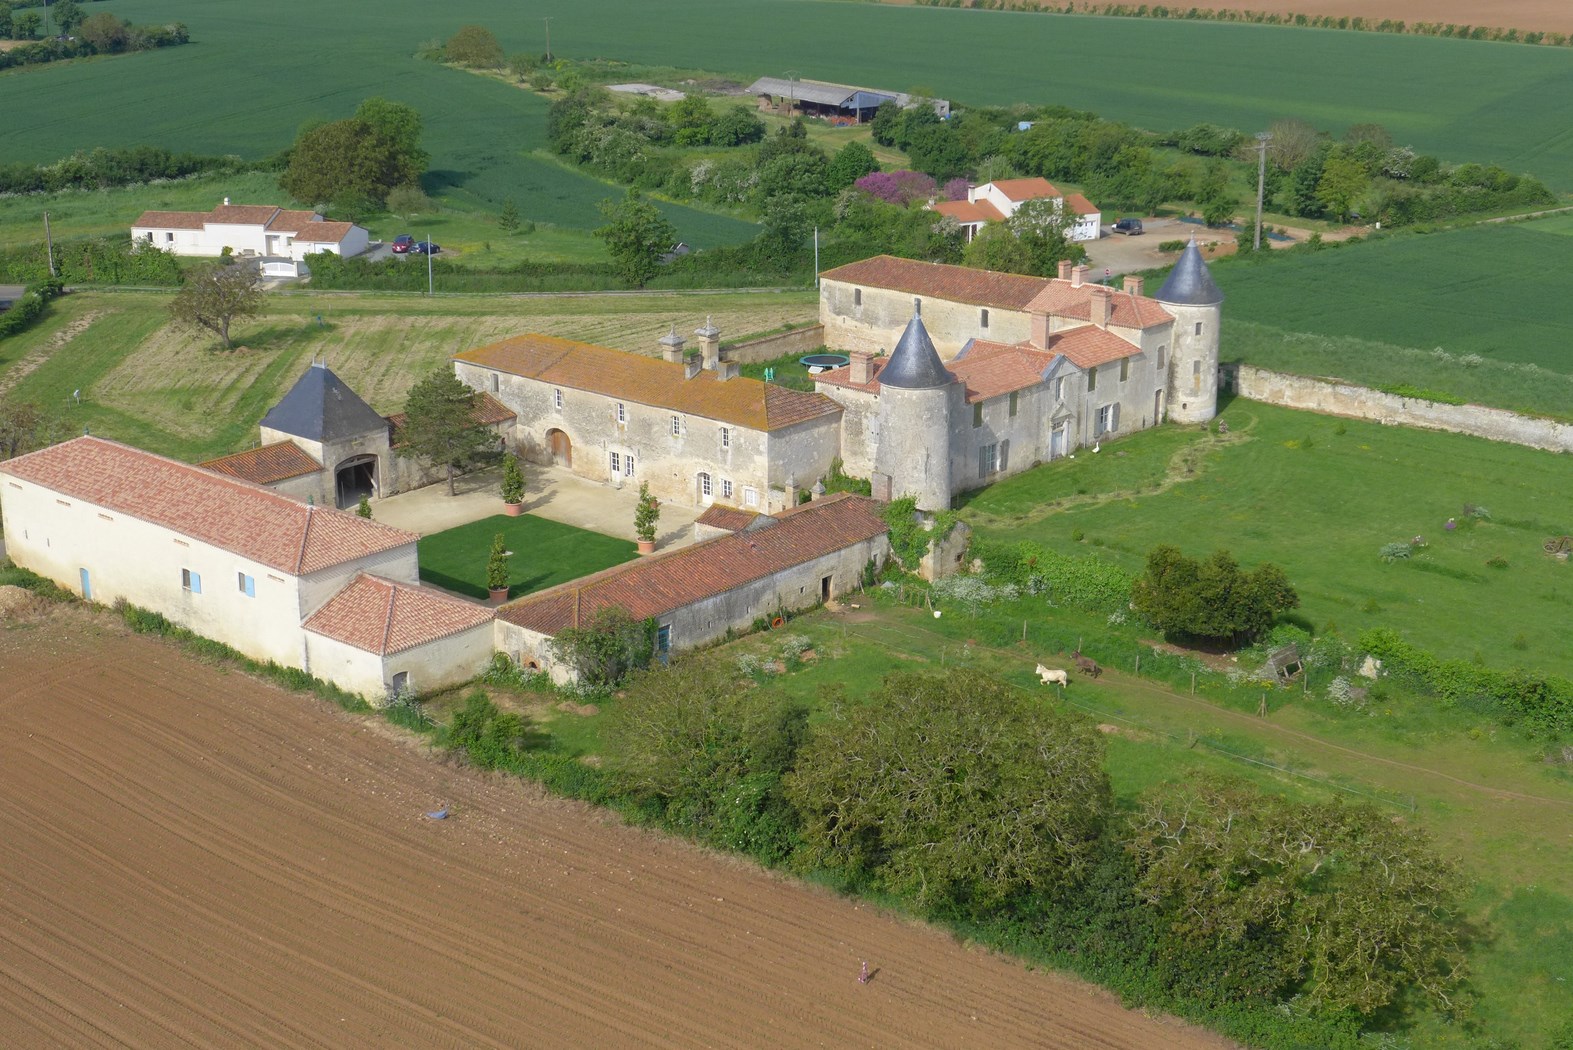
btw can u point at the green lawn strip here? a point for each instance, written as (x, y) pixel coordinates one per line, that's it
(546, 553)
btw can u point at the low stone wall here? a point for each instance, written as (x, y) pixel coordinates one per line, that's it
(770, 347)
(1358, 402)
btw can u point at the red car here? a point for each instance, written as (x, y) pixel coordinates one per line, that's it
(401, 243)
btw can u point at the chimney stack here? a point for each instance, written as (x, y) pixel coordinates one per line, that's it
(862, 367)
(1134, 284)
(1065, 269)
(690, 366)
(1098, 305)
(672, 347)
(727, 370)
(1078, 275)
(709, 344)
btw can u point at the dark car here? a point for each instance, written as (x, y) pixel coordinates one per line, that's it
(425, 248)
(1129, 227)
(401, 243)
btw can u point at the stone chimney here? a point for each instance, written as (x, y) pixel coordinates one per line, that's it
(1065, 269)
(709, 344)
(690, 366)
(726, 370)
(672, 347)
(1134, 284)
(1040, 330)
(1078, 275)
(862, 368)
(1098, 305)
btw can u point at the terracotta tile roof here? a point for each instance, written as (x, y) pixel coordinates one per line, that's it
(1090, 345)
(648, 381)
(1081, 205)
(1061, 299)
(991, 369)
(1005, 291)
(287, 221)
(1019, 190)
(324, 232)
(968, 211)
(171, 220)
(842, 376)
(658, 585)
(230, 514)
(488, 412)
(383, 617)
(244, 214)
(265, 465)
(732, 519)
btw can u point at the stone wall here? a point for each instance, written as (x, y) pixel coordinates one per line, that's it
(856, 317)
(768, 348)
(1358, 402)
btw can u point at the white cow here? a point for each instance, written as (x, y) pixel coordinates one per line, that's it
(1047, 675)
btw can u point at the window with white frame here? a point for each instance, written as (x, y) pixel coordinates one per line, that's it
(191, 581)
(726, 488)
(622, 412)
(706, 486)
(248, 585)
(988, 459)
(1059, 389)
(1108, 419)
(557, 400)
(726, 437)
(750, 497)
(677, 426)
(617, 464)
(628, 465)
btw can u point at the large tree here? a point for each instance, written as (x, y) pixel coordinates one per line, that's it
(474, 46)
(1261, 897)
(636, 235)
(440, 427)
(1210, 599)
(353, 164)
(1343, 183)
(956, 789)
(217, 295)
(605, 648)
(104, 32)
(24, 426)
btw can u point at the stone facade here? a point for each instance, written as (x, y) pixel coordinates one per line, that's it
(865, 317)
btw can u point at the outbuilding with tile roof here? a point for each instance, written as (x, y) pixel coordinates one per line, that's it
(282, 235)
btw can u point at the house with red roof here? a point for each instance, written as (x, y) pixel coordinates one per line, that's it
(279, 236)
(274, 578)
(998, 200)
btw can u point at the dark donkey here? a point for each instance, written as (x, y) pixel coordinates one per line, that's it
(1086, 664)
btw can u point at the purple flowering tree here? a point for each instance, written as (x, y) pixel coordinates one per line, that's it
(898, 187)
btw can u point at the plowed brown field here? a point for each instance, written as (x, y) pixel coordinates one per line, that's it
(189, 857)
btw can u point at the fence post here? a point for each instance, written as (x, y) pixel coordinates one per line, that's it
(1024, 630)
(1138, 665)
(1193, 683)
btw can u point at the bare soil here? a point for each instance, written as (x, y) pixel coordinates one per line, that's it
(191, 857)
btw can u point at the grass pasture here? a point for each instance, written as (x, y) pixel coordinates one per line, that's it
(546, 553)
(1320, 497)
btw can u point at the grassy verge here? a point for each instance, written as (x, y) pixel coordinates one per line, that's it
(546, 553)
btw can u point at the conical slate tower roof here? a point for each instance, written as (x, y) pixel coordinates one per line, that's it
(914, 363)
(1190, 283)
(320, 407)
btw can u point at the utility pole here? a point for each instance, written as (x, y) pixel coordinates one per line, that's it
(816, 256)
(50, 241)
(791, 76)
(429, 253)
(1262, 138)
(548, 22)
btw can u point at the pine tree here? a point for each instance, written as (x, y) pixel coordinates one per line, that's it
(440, 425)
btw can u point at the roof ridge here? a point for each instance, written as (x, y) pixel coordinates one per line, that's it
(387, 621)
(305, 537)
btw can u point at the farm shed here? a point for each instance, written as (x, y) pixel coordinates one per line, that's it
(824, 99)
(782, 563)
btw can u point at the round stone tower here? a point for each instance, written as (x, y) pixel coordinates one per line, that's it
(1197, 305)
(915, 393)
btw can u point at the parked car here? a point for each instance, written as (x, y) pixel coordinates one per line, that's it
(426, 248)
(1129, 227)
(401, 243)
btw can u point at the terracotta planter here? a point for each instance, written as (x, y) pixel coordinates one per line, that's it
(647, 546)
(513, 510)
(498, 595)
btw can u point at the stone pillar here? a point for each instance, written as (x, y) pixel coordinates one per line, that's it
(1065, 269)
(862, 367)
(1134, 284)
(709, 345)
(1098, 306)
(672, 347)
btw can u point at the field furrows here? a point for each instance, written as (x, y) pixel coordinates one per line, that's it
(191, 858)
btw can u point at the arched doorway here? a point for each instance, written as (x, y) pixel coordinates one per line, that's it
(561, 448)
(354, 478)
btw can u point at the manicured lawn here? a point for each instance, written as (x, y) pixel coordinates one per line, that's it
(546, 553)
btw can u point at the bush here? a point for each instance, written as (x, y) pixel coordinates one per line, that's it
(1078, 581)
(489, 737)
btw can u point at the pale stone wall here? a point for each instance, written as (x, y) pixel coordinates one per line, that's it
(398, 564)
(770, 347)
(859, 428)
(879, 321)
(432, 666)
(803, 452)
(1193, 373)
(131, 559)
(1358, 402)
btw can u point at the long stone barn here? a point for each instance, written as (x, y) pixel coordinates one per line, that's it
(758, 566)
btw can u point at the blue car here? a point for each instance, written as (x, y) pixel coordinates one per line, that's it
(426, 248)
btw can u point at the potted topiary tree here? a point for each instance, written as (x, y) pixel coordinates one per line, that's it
(512, 485)
(497, 570)
(646, 514)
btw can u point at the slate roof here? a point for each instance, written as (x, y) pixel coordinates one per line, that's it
(969, 212)
(323, 232)
(384, 617)
(962, 284)
(658, 585)
(225, 512)
(649, 381)
(171, 220)
(321, 407)
(264, 466)
(1190, 283)
(914, 364)
(1074, 302)
(488, 412)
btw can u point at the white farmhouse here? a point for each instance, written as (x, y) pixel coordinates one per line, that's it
(999, 200)
(263, 230)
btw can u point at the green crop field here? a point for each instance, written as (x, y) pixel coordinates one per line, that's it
(1320, 497)
(1489, 290)
(253, 75)
(546, 553)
